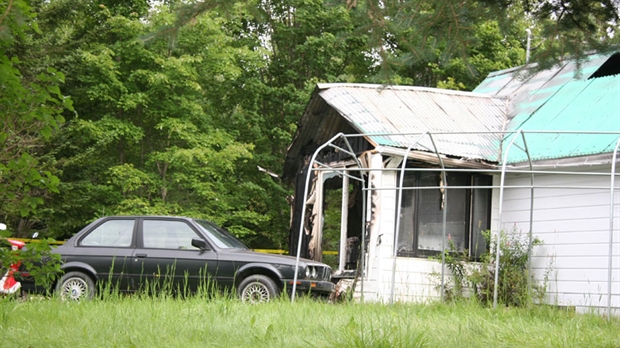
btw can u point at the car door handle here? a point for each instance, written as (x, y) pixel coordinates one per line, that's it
(141, 256)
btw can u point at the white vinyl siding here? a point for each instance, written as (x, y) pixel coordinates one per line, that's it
(573, 224)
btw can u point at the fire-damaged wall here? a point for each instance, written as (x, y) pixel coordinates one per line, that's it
(313, 221)
(296, 209)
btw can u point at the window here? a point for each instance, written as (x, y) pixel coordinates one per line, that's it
(111, 233)
(168, 234)
(422, 208)
(219, 236)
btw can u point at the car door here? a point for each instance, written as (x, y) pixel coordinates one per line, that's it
(165, 258)
(107, 248)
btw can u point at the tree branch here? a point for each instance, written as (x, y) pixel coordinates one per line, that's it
(6, 13)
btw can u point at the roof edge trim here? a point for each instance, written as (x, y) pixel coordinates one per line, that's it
(432, 158)
(589, 160)
(324, 86)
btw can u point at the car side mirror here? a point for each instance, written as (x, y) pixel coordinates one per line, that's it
(200, 244)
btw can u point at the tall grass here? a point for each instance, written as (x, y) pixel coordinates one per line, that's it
(221, 321)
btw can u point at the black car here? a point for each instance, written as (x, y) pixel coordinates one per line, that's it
(132, 253)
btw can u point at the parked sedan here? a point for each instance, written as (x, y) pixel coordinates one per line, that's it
(132, 253)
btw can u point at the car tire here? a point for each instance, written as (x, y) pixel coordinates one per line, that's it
(75, 286)
(257, 288)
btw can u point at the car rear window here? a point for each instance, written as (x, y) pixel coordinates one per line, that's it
(111, 233)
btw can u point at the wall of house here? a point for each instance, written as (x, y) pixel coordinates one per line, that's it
(574, 225)
(414, 279)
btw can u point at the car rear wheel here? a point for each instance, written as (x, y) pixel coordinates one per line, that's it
(257, 289)
(75, 286)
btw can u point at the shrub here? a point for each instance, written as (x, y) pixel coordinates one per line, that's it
(516, 287)
(36, 257)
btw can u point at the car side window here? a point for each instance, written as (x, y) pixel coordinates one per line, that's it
(111, 233)
(167, 234)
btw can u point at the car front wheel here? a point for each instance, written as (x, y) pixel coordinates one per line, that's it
(257, 289)
(75, 286)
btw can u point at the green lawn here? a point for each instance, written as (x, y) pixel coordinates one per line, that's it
(199, 322)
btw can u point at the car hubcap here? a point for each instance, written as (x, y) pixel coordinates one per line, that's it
(74, 289)
(256, 293)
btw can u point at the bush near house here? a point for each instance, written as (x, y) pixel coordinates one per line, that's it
(516, 286)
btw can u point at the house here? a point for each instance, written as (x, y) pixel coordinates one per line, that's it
(420, 170)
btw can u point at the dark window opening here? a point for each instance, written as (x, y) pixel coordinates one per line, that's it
(468, 213)
(609, 68)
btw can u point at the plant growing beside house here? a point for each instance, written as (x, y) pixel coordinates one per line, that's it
(476, 279)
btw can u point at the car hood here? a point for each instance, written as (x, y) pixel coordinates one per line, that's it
(254, 256)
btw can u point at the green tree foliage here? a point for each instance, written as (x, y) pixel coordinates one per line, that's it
(571, 28)
(562, 29)
(182, 127)
(31, 107)
(301, 42)
(30, 110)
(426, 36)
(186, 107)
(151, 136)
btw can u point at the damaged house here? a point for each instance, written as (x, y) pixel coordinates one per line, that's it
(420, 170)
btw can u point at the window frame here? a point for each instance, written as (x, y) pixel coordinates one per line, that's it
(80, 243)
(476, 190)
(167, 234)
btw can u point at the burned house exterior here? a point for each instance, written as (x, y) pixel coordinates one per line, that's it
(421, 170)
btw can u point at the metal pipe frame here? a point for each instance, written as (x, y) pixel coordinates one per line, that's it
(611, 228)
(305, 197)
(531, 230)
(472, 170)
(398, 210)
(499, 219)
(444, 219)
(502, 187)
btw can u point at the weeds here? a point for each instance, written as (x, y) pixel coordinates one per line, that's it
(373, 333)
(219, 321)
(516, 287)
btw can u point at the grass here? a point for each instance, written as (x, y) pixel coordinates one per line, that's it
(163, 321)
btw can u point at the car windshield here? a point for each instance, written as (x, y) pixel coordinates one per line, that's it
(220, 236)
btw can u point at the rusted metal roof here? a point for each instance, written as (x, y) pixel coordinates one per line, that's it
(583, 98)
(397, 115)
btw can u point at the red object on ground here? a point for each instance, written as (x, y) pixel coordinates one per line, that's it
(8, 283)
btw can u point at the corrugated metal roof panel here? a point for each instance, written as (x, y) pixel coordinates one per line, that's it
(508, 81)
(584, 106)
(566, 101)
(559, 99)
(375, 109)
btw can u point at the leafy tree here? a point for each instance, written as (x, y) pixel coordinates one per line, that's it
(563, 29)
(302, 43)
(161, 129)
(179, 123)
(186, 108)
(30, 110)
(571, 28)
(31, 107)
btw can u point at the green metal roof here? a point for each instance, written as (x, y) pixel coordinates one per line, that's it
(570, 112)
(565, 98)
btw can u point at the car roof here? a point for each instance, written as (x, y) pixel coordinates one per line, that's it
(147, 216)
